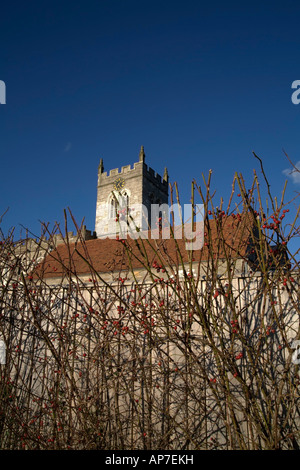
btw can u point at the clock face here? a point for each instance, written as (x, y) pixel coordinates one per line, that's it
(119, 184)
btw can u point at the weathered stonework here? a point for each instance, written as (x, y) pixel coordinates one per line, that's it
(142, 185)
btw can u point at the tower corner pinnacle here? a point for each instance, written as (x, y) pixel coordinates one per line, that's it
(142, 155)
(101, 166)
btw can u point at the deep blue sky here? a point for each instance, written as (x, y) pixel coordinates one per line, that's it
(200, 84)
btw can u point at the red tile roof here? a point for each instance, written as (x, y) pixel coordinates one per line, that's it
(227, 236)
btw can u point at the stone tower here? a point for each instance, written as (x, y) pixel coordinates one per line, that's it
(128, 191)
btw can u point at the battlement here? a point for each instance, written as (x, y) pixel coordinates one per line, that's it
(44, 244)
(72, 237)
(124, 170)
(139, 168)
(154, 176)
(129, 170)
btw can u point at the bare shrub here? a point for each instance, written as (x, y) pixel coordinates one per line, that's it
(199, 355)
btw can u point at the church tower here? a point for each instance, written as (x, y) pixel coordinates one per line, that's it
(126, 196)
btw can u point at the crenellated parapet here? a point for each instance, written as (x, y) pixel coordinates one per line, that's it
(82, 234)
(133, 171)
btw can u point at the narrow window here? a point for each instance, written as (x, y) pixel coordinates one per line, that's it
(112, 208)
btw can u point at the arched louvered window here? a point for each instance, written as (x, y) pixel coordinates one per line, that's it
(112, 208)
(125, 201)
(117, 204)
